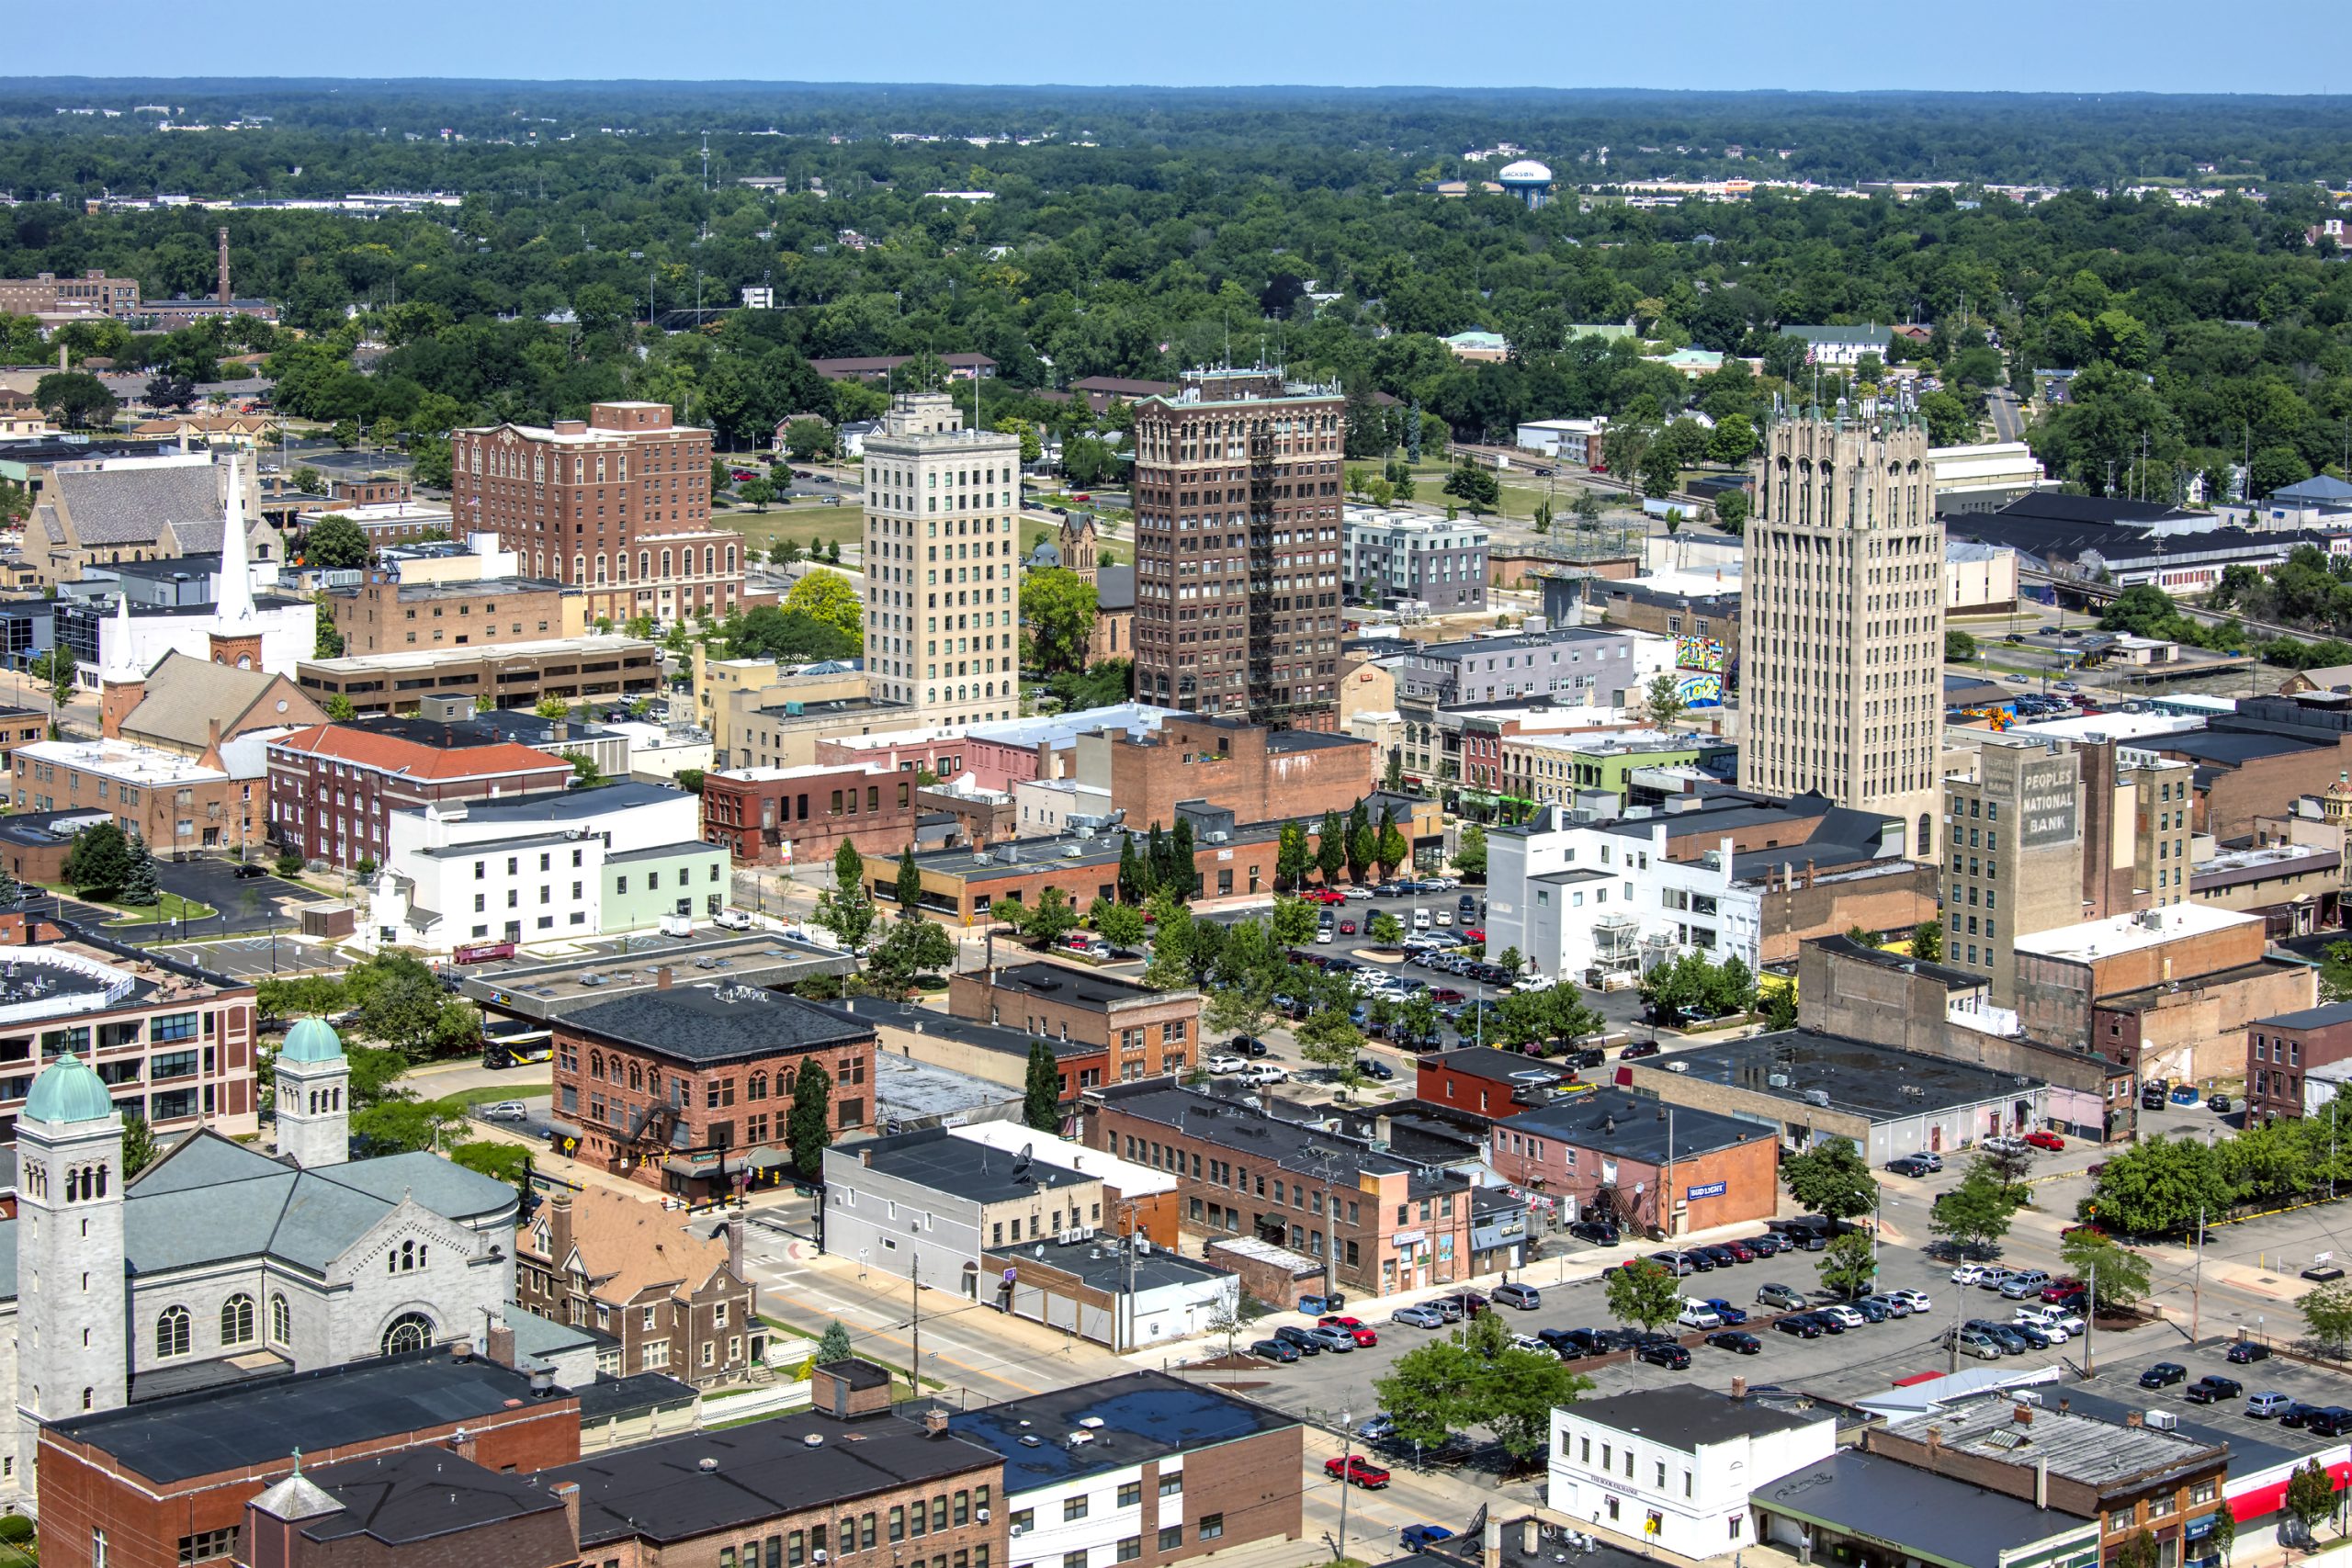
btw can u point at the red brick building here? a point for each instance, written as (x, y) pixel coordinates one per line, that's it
(688, 1089)
(333, 787)
(1486, 1081)
(165, 1481)
(426, 1508)
(617, 506)
(1259, 775)
(2281, 1049)
(1237, 498)
(1378, 1222)
(1636, 1161)
(799, 815)
(1146, 1033)
(632, 1269)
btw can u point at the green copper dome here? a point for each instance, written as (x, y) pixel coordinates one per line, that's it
(312, 1040)
(67, 1091)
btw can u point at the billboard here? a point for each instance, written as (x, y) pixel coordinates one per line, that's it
(1699, 653)
(2047, 794)
(1697, 689)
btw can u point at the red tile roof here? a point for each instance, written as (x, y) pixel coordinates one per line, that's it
(390, 754)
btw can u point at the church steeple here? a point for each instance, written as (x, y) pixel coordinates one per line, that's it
(122, 683)
(237, 636)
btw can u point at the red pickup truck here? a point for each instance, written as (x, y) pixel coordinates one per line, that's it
(1356, 1468)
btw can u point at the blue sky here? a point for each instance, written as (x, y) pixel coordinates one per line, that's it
(2055, 46)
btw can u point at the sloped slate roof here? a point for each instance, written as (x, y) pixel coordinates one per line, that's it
(1115, 587)
(184, 694)
(134, 506)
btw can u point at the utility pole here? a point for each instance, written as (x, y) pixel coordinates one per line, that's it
(2090, 1320)
(914, 1281)
(1347, 1455)
(2197, 1286)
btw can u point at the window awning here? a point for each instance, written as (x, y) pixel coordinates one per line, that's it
(562, 1130)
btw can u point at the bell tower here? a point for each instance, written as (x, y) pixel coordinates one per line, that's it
(236, 634)
(313, 1088)
(73, 1347)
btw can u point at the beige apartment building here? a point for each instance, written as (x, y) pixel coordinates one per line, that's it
(943, 564)
(1842, 620)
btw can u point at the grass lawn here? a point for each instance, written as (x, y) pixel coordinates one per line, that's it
(488, 1094)
(806, 523)
(166, 906)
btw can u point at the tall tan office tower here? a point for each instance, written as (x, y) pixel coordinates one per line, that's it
(943, 563)
(1841, 622)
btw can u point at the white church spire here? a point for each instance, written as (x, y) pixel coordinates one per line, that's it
(236, 583)
(121, 662)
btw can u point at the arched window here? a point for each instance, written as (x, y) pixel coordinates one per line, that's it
(757, 1088)
(410, 1332)
(1927, 834)
(171, 1332)
(709, 560)
(237, 1320)
(88, 1399)
(665, 563)
(595, 1064)
(281, 1320)
(644, 564)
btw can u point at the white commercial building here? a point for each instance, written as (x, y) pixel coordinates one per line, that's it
(943, 563)
(1676, 1465)
(1414, 557)
(1570, 440)
(1979, 578)
(550, 868)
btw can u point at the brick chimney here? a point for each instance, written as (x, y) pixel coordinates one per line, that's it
(498, 1341)
(117, 696)
(2022, 1413)
(661, 978)
(560, 1228)
(935, 1421)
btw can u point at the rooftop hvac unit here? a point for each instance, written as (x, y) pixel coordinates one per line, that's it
(1777, 1080)
(1915, 1091)
(1219, 836)
(2164, 1420)
(1819, 1097)
(981, 857)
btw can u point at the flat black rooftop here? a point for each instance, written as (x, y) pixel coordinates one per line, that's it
(1625, 1127)
(715, 1023)
(882, 1014)
(1502, 1066)
(1067, 983)
(260, 1423)
(1858, 1077)
(1843, 946)
(758, 1471)
(1144, 1416)
(1684, 1415)
(415, 1495)
(1917, 1511)
(1106, 1266)
(938, 1159)
(476, 729)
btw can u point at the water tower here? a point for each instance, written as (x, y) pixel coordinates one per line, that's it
(1527, 181)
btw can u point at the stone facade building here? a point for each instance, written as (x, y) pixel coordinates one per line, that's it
(943, 563)
(1238, 582)
(1842, 622)
(2013, 846)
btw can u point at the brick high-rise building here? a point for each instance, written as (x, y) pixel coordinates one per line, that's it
(943, 564)
(617, 504)
(1842, 623)
(1237, 498)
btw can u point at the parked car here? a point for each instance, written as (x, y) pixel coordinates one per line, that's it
(1828, 1325)
(1981, 1346)
(1915, 1165)
(1735, 1341)
(2024, 1283)
(1800, 1324)
(1248, 1045)
(1276, 1350)
(1356, 1471)
(1446, 1307)
(2003, 1145)
(1722, 1257)
(1677, 1263)
(1470, 1303)
(2211, 1388)
(2264, 1406)
(1599, 1232)
(247, 868)
(2246, 1351)
(1886, 1303)
(1780, 1296)
(1374, 1068)
(1306, 1341)
(1917, 1300)
(1733, 1316)
(1378, 1427)
(2332, 1422)
(2297, 1413)
(2164, 1374)
(1413, 1537)
(1697, 1314)
(1664, 1353)
(1639, 1048)
(1417, 1317)
(2042, 1138)
(1511, 1293)
(2222, 1103)
(1338, 1341)
(1262, 1073)
(2059, 1289)
(1968, 1274)
(1223, 1065)
(1851, 1317)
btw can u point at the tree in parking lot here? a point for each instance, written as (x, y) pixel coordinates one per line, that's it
(1388, 930)
(1295, 921)
(1049, 919)
(1120, 925)
(1329, 1040)
(1976, 1212)
(1514, 1391)
(1331, 847)
(1847, 1265)
(2327, 1313)
(2115, 1276)
(1429, 1392)
(2157, 1188)
(1831, 1179)
(1644, 1293)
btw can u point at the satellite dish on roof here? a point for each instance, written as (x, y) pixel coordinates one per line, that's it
(1020, 1162)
